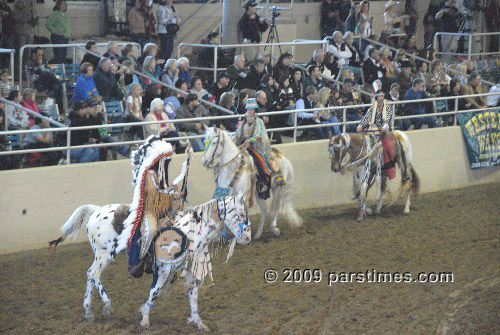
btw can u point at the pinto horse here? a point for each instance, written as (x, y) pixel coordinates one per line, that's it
(235, 169)
(108, 233)
(361, 153)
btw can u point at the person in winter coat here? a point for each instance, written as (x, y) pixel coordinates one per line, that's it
(106, 83)
(168, 24)
(60, 30)
(85, 87)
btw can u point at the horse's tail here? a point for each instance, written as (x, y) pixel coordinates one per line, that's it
(75, 223)
(410, 181)
(282, 198)
(415, 181)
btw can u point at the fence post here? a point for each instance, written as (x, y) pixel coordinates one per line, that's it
(12, 60)
(215, 63)
(344, 118)
(455, 115)
(21, 51)
(470, 47)
(295, 128)
(68, 152)
(74, 55)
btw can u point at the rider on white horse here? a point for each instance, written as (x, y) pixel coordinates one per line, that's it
(252, 134)
(379, 118)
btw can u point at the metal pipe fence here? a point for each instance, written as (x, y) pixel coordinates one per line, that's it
(471, 37)
(74, 46)
(295, 127)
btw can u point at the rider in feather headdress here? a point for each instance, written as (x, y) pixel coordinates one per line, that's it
(154, 199)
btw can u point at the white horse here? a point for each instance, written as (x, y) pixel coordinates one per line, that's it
(236, 170)
(362, 154)
(108, 234)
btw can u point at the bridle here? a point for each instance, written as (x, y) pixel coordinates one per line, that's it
(222, 213)
(220, 141)
(340, 147)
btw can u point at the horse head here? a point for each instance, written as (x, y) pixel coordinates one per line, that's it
(234, 213)
(214, 142)
(338, 148)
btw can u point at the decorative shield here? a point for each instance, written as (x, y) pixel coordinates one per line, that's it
(170, 245)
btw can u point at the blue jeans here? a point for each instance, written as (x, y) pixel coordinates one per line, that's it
(59, 53)
(197, 143)
(85, 155)
(351, 128)
(122, 150)
(417, 123)
(334, 130)
(404, 124)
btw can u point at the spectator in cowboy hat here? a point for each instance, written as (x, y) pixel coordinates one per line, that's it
(391, 17)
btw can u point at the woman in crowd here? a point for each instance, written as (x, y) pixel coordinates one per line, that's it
(392, 19)
(134, 108)
(30, 103)
(128, 53)
(268, 85)
(430, 24)
(228, 101)
(352, 20)
(462, 77)
(364, 26)
(60, 30)
(325, 116)
(398, 59)
(42, 140)
(330, 66)
(281, 70)
(168, 25)
(422, 69)
(170, 73)
(89, 58)
(296, 84)
(149, 69)
(18, 118)
(197, 88)
(437, 80)
(285, 96)
(355, 60)
(129, 77)
(410, 44)
(150, 49)
(157, 113)
(386, 62)
(85, 86)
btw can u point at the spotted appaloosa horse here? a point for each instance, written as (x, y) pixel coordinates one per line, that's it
(235, 169)
(108, 236)
(358, 148)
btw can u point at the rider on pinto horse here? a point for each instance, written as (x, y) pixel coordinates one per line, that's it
(252, 134)
(379, 118)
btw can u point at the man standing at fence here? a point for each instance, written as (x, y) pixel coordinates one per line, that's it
(448, 17)
(251, 27)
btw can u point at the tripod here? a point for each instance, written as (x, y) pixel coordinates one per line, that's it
(272, 36)
(468, 26)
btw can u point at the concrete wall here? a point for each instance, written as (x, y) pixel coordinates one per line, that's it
(34, 203)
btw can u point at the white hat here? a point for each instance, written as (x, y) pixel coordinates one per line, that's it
(391, 3)
(155, 103)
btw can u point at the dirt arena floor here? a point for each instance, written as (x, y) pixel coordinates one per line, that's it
(455, 231)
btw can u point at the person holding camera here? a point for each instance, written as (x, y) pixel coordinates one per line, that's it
(168, 26)
(251, 27)
(448, 16)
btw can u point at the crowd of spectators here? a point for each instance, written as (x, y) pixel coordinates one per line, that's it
(344, 74)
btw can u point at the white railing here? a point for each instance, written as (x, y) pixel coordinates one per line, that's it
(227, 46)
(421, 59)
(470, 39)
(74, 46)
(294, 128)
(11, 52)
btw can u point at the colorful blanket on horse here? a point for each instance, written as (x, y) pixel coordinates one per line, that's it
(389, 155)
(261, 164)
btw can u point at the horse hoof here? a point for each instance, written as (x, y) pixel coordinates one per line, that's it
(257, 236)
(106, 311)
(377, 211)
(406, 211)
(89, 316)
(360, 219)
(145, 324)
(368, 211)
(276, 232)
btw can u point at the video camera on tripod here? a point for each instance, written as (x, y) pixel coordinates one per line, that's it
(275, 12)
